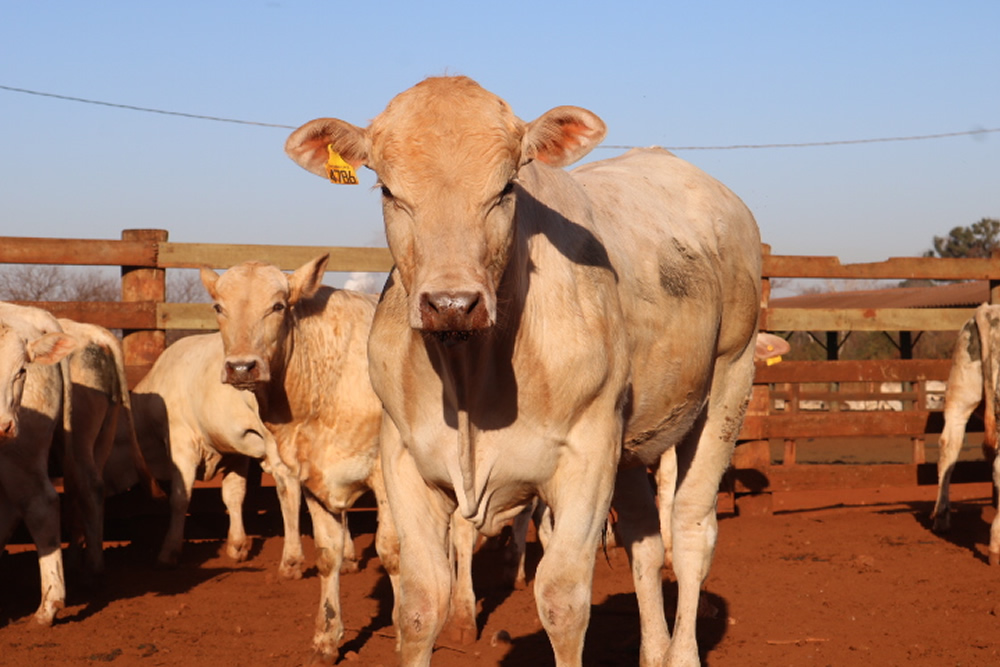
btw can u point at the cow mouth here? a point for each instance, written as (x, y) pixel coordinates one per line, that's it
(450, 338)
(243, 385)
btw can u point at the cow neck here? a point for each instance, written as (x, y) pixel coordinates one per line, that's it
(273, 397)
(471, 372)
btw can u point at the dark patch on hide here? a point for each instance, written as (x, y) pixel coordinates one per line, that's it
(973, 345)
(677, 270)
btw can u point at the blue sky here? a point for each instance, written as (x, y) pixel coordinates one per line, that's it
(664, 73)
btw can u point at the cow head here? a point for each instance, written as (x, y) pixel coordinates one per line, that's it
(16, 354)
(253, 304)
(447, 154)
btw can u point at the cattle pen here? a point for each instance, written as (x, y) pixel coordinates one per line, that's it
(766, 475)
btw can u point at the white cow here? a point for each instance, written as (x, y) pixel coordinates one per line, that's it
(33, 405)
(189, 423)
(973, 379)
(539, 329)
(99, 393)
(301, 348)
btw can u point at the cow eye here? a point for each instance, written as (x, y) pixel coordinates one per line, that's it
(217, 308)
(21, 372)
(278, 307)
(386, 192)
(507, 189)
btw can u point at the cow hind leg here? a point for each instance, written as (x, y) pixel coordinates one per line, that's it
(234, 491)
(958, 409)
(702, 459)
(639, 531)
(995, 527)
(85, 486)
(181, 484)
(963, 394)
(350, 564)
(328, 533)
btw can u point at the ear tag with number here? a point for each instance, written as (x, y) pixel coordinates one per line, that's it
(337, 169)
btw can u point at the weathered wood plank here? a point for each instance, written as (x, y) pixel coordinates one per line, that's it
(81, 252)
(864, 319)
(834, 424)
(193, 316)
(882, 370)
(108, 314)
(933, 268)
(287, 258)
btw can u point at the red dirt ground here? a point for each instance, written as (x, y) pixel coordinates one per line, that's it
(841, 586)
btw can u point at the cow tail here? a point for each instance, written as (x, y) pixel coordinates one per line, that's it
(990, 360)
(145, 476)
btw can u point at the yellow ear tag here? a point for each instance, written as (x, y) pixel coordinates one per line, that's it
(337, 169)
(774, 360)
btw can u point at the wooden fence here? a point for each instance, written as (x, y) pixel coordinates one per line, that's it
(144, 316)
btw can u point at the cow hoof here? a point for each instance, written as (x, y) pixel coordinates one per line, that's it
(238, 551)
(350, 566)
(291, 570)
(324, 651)
(46, 615)
(462, 634)
(321, 658)
(942, 522)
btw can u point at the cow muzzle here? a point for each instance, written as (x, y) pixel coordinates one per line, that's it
(245, 373)
(454, 311)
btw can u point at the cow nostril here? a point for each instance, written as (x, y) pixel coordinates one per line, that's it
(241, 366)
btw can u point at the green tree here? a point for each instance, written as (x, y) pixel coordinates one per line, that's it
(976, 240)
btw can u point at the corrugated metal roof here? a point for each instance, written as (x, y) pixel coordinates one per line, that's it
(951, 295)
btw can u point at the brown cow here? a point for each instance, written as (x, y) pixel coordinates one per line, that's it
(34, 404)
(974, 379)
(301, 348)
(539, 328)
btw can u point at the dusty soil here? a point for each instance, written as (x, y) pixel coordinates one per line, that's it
(842, 586)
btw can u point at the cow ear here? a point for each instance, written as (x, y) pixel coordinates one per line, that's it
(208, 279)
(50, 348)
(562, 136)
(307, 279)
(310, 145)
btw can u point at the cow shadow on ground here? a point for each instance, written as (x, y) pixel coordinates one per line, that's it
(129, 573)
(970, 524)
(613, 635)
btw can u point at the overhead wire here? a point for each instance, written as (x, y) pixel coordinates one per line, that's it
(806, 144)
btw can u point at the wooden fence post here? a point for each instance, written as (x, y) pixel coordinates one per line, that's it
(142, 283)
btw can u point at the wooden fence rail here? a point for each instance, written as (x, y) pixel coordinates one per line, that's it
(145, 316)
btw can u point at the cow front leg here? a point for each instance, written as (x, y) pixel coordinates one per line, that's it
(41, 517)
(639, 531)
(421, 516)
(461, 622)
(579, 497)
(328, 533)
(234, 492)
(289, 490)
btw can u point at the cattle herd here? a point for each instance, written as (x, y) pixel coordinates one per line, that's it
(545, 338)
